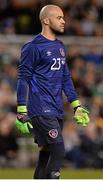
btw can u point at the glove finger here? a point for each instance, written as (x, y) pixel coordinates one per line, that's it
(19, 126)
(86, 118)
(85, 111)
(26, 129)
(18, 123)
(85, 121)
(78, 119)
(29, 125)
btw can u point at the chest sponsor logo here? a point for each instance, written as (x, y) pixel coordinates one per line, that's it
(53, 133)
(62, 52)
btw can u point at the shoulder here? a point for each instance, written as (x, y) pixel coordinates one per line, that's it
(61, 42)
(33, 44)
(26, 46)
(29, 46)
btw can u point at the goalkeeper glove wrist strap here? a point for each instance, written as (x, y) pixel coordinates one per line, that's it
(21, 109)
(75, 103)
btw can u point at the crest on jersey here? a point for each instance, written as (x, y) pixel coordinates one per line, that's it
(53, 133)
(62, 52)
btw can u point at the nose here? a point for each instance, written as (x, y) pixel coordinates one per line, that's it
(63, 21)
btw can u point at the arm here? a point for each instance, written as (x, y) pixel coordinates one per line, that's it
(68, 86)
(25, 71)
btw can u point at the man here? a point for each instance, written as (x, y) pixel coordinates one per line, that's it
(42, 76)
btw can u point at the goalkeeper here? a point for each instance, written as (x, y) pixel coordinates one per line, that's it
(42, 76)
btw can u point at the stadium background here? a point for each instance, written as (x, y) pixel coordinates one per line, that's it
(83, 38)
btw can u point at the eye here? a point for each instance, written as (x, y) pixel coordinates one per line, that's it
(60, 17)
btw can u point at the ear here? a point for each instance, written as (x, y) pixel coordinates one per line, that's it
(46, 21)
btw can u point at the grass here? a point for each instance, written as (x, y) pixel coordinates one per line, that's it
(65, 174)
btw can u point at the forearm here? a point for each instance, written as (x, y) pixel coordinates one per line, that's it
(68, 86)
(22, 92)
(69, 89)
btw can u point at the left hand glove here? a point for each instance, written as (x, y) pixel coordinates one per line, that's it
(81, 116)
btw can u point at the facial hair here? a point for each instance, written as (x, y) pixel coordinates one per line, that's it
(56, 32)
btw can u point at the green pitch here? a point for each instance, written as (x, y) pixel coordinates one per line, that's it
(66, 174)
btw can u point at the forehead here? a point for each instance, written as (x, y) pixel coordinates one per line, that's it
(56, 12)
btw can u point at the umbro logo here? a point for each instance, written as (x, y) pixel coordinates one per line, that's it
(48, 53)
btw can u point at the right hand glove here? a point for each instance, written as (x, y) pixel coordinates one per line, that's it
(23, 123)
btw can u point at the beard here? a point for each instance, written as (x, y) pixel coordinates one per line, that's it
(55, 31)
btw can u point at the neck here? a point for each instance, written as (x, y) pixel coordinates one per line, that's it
(48, 34)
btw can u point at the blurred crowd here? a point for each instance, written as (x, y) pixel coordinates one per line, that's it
(83, 17)
(84, 146)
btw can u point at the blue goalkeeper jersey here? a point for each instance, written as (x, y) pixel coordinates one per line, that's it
(43, 75)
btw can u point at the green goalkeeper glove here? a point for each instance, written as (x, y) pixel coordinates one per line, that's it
(81, 114)
(23, 123)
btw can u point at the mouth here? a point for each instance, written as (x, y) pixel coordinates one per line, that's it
(62, 27)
